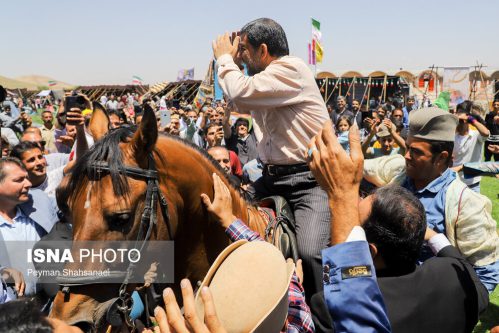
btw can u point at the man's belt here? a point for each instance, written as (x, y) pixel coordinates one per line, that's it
(284, 170)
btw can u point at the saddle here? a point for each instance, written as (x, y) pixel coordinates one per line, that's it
(281, 227)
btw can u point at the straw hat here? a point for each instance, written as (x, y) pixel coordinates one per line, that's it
(249, 282)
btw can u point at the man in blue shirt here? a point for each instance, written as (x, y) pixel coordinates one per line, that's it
(451, 207)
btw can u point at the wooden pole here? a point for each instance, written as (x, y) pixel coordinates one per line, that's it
(384, 89)
(325, 91)
(369, 90)
(332, 91)
(486, 94)
(365, 90)
(350, 86)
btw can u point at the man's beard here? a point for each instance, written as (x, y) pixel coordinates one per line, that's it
(252, 68)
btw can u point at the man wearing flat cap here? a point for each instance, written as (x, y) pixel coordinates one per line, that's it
(451, 207)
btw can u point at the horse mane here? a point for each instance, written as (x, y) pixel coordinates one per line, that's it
(108, 150)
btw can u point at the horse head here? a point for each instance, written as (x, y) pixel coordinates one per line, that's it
(109, 205)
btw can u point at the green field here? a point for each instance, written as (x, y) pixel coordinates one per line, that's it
(490, 187)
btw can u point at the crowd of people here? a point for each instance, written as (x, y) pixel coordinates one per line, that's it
(418, 253)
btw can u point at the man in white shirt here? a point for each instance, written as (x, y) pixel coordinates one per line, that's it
(35, 163)
(284, 101)
(468, 147)
(103, 99)
(112, 104)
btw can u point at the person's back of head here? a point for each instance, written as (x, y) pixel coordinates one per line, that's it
(396, 226)
(23, 315)
(269, 32)
(464, 107)
(32, 129)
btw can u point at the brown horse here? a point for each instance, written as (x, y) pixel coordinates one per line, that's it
(115, 203)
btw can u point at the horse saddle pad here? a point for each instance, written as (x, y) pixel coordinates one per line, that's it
(280, 229)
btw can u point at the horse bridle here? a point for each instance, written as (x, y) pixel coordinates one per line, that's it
(148, 220)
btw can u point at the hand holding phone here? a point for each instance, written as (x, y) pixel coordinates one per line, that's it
(164, 117)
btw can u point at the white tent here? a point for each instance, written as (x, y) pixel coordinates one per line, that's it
(44, 93)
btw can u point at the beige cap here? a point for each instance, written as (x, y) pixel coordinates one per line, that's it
(383, 132)
(432, 124)
(249, 282)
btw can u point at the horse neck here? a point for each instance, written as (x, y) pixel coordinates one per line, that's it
(249, 214)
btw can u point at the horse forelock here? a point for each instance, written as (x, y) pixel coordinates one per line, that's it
(105, 150)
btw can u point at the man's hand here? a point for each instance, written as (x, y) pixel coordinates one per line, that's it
(219, 135)
(74, 117)
(171, 320)
(429, 234)
(67, 140)
(339, 174)
(388, 123)
(298, 268)
(494, 149)
(336, 171)
(463, 116)
(222, 45)
(221, 207)
(11, 275)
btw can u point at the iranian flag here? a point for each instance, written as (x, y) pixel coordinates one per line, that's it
(316, 30)
(137, 80)
(52, 83)
(317, 50)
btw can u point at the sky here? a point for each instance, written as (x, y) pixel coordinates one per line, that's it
(108, 41)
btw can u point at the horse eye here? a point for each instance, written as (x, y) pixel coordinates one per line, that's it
(123, 217)
(119, 222)
(118, 218)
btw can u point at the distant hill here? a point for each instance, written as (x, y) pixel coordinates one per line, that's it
(43, 81)
(14, 84)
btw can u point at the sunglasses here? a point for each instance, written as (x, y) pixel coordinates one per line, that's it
(40, 143)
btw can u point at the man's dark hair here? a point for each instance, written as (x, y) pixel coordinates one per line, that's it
(436, 147)
(120, 114)
(22, 147)
(210, 125)
(396, 225)
(269, 32)
(23, 315)
(8, 160)
(464, 107)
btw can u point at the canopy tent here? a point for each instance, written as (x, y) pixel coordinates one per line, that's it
(362, 88)
(95, 92)
(177, 91)
(44, 93)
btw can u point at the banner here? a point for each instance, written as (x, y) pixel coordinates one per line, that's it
(185, 74)
(457, 83)
(318, 52)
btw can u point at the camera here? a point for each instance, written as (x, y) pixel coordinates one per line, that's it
(75, 102)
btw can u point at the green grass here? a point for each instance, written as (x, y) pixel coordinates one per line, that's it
(490, 318)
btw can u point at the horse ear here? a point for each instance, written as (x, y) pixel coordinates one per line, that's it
(145, 138)
(99, 123)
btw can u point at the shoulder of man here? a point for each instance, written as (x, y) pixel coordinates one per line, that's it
(469, 224)
(41, 209)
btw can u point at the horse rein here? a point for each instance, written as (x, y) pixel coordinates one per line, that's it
(147, 221)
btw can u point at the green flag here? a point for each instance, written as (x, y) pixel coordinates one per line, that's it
(316, 30)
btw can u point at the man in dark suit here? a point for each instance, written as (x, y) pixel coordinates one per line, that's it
(442, 295)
